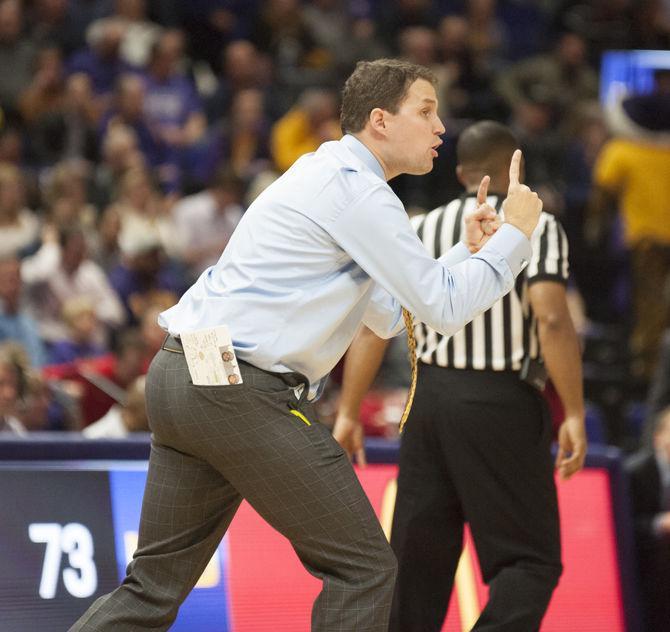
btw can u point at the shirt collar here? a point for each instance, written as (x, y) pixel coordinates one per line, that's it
(364, 154)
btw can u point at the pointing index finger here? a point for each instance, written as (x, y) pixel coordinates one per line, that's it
(515, 169)
(482, 192)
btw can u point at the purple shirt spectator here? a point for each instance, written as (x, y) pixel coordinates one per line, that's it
(65, 351)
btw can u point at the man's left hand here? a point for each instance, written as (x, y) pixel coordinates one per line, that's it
(481, 223)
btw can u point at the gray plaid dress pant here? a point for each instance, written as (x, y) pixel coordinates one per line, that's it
(213, 446)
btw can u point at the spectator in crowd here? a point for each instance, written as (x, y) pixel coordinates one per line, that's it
(12, 150)
(215, 23)
(245, 139)
(604, 24)
(101, 59)
(96, 384)
(595, 271)
(128, 110)
(15, 322)
(563, 77)
(401, 14)
(452, 45)
(143, 208)
(243, 68)
(658, 396)
(143, 275)
(418, 44)
(69, 131)
(649, 473)
(65, 196)
(632, 176)
(139, 34)
(173, 109)
(16, 54)
(364, 42)
(311, 122)
(19, 226)
(280, 30)
(61, 270)
(205, 221)
(45, 94)
(123, 417)
(78, 315)
(120, 153)
(13, 369)
(50, 24)
(328, 24)
(488, 35)
(44, 407)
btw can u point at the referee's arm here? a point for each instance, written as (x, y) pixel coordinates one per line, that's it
(562, 357)
(361, 366)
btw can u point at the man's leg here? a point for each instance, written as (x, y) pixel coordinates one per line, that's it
(427, 531)
(292, 472)
(186, 509)
(500, 432)
(300, 481)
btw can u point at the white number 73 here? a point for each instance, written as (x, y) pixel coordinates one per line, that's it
(81, 577)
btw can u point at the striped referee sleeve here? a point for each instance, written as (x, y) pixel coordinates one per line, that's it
(549, 261)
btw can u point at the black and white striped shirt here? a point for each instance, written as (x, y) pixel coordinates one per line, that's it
(499, 338)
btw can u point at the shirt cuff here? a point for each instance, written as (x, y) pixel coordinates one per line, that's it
(510, 244)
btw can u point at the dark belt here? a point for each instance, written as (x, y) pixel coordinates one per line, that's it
(292, 379)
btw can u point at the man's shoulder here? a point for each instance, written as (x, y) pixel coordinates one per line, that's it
(332, 173)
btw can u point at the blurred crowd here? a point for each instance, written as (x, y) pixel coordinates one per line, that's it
(135, 133)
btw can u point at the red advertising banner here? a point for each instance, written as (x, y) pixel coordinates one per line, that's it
(270, 590)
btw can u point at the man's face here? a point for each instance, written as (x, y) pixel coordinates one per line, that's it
(414, 131)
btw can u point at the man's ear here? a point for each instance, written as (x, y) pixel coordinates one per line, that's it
(461, 176)
(378, 120)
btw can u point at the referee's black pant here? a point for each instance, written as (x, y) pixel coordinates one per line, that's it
(476, 449)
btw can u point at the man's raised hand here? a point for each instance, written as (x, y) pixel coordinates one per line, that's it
(522, 206)
(482, 222)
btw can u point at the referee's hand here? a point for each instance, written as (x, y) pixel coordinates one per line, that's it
(522, 206)
(348, 432)
(571, 446)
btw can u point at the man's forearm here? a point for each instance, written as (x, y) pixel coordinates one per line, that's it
(562, 357)
(361, 366)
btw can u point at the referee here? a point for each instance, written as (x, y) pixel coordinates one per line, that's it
(476, 447)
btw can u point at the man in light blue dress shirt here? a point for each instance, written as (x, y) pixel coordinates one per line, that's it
(326, 247)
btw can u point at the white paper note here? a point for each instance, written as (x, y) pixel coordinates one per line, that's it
(210, 357)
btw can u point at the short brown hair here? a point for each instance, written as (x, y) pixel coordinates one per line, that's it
(382, 83)
(478, 142)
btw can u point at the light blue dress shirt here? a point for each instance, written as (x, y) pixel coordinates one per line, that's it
(325, 247)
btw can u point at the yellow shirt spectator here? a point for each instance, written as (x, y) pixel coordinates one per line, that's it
(638, 174)
(301, 130)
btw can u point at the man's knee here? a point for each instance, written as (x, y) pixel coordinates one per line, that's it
(387, 565)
